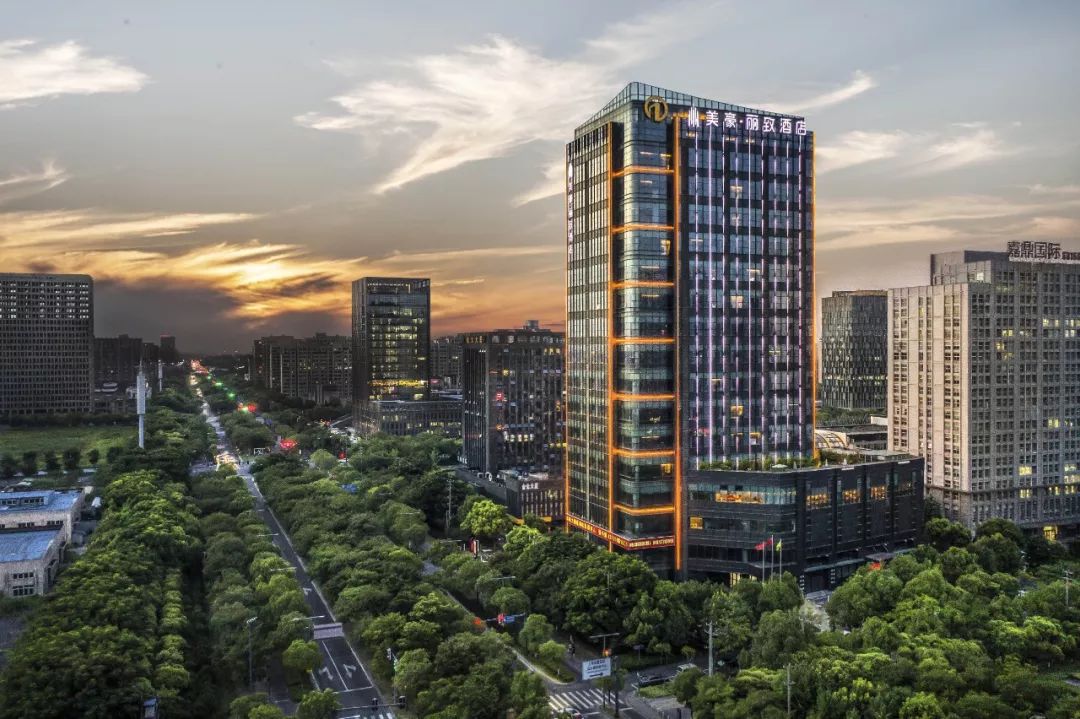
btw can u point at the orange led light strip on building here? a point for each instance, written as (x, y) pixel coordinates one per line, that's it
(640, 226)
(638, 511)
(610, 368)
(676, 192)
(623, 397)
(639, 283)
(643, 340)
(643, 170)
(643, 452)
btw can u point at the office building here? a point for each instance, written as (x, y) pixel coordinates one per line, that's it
(391, 346)
(315, 369)
(854, 349)
(540, 494)
(49, 509)
(984, 372)
(446, 362)
(441, 415)
(168, 352)
(46, 344)
(689, 310)
(116, 360)
(827, 521)
(512, 400)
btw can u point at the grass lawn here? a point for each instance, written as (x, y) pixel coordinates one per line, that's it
(41, 439)
(656, 691)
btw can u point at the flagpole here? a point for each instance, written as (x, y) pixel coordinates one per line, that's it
(772, 557)
(781, 557)
(763, 561)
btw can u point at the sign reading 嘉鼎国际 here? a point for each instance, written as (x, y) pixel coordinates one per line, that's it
(1042, 252)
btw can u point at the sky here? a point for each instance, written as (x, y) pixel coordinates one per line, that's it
(224, 170)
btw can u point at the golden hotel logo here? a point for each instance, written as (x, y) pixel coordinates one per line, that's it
(656, 109)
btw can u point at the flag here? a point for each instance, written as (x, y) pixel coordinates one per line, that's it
(780, 545)
(763, 545)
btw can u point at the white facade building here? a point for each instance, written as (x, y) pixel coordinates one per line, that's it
(984, 382)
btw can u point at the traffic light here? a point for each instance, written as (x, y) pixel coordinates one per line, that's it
(607, 652)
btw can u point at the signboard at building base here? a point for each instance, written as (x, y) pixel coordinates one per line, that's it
(595, 668)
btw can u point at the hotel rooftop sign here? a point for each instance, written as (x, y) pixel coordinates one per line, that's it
(1042, 252)
(656, 109)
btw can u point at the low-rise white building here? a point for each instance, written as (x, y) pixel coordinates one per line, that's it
(28, 561)
(50, 509)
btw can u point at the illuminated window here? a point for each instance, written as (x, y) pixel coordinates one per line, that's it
(1025, 494)
(697, 523)
(879, 492)
(1051, 532)
(1024, 470)
(817, 500)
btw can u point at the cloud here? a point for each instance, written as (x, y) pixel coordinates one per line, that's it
(59, 230)
(260, 281)
(31, 183)
(554, 183)
(955, 219)
(858, 147)
(959, 145)
(483, 101)
(860, 82)
(29, 71)
(981, 145)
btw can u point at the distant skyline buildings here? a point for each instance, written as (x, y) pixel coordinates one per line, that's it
(854, 348)
(316, 369)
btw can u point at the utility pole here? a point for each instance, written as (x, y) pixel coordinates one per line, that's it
(251, 661)
(787, 683)
(449, 499)
(711, 635)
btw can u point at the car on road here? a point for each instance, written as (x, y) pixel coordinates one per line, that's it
(648, 680)
(685, 667)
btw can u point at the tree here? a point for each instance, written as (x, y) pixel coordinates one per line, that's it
(113, 453)
(29, 465)
(412, 673)
(318, 705)
(922, 706)
(684, 686)
(241, 706)
(52, 464)
(536, 631)
(998, 553)
(602, 590)
(731, 623)
(8, 465)
(93, 456)
(942, 534)
(1004, 527)
(779, 635)
(266, 711)
(71, 458)
(301, 657)
(955, 562)
(486, 520)
(510, 600)
(551, 652)
(323, 460)
(528, 697)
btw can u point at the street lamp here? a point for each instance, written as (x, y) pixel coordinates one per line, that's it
(251, 661)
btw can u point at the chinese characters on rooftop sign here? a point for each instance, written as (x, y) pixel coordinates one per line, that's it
(767, 124)
(1041, 252)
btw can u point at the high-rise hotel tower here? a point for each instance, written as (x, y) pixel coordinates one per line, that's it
(689, 239)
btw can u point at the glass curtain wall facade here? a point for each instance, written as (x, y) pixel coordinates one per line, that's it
(854, 349)
(689, 306)
(391, 339)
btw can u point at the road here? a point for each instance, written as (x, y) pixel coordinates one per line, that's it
(342, 669)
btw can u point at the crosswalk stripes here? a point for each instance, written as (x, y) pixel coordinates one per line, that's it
(384, 715)
(579, 699)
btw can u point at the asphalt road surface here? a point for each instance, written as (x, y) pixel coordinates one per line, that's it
(342, 669)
